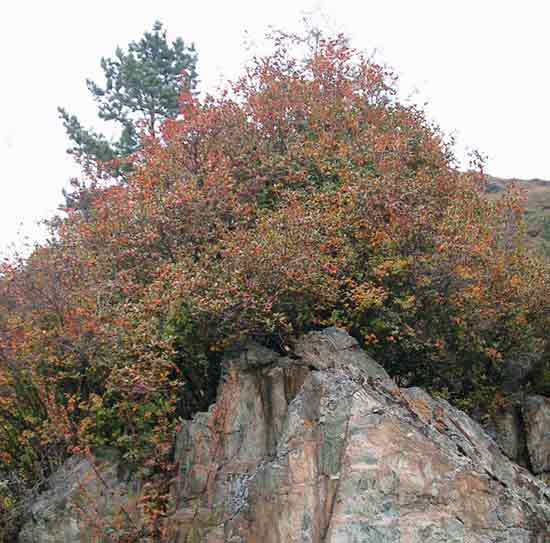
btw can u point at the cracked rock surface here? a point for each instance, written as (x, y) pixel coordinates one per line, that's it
(325, 448)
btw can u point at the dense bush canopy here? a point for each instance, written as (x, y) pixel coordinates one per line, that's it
(306, 195)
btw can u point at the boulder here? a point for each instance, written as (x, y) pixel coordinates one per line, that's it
(510, 433)
(86, 500)
(322, 447)
(344, 456)
(536, 416)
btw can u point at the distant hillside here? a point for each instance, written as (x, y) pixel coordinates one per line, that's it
(538, 207)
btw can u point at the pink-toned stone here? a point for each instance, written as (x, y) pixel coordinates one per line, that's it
(326, 449)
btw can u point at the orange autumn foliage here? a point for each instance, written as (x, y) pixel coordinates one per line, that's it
(305, 195)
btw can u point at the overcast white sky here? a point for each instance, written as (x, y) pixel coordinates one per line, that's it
(482, 66)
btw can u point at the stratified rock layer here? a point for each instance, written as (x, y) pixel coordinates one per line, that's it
(326, 449)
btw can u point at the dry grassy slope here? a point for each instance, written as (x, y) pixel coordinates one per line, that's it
(538, 207)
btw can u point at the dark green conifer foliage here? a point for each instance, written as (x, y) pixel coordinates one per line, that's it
(141, 90)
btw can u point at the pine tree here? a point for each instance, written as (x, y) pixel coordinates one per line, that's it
(141, 90)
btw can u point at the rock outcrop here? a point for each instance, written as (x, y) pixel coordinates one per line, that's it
(536, 414)
(521, 427)
(323, 447)
(507, 426)
(83, 502)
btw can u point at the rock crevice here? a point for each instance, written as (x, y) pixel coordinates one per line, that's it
(325, 448)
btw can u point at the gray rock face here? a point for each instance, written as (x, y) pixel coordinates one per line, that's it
(510, 433)
(335, 348)
(82, 505)
(536, 414)
(326, 449)
(521, 428)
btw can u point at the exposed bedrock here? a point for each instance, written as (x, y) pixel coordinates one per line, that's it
(323, 447)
